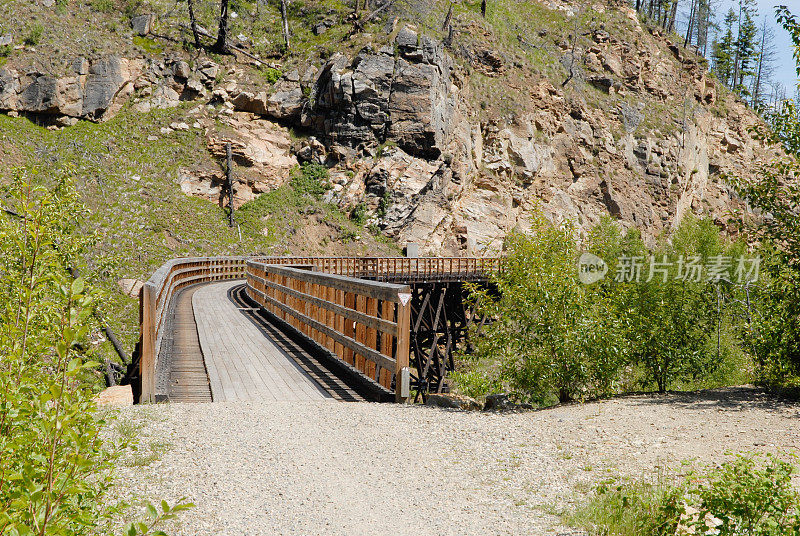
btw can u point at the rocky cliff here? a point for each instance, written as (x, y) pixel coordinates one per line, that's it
(449, 138)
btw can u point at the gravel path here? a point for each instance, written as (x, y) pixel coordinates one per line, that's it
(324, 467)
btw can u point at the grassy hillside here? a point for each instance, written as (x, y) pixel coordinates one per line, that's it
(130, 186)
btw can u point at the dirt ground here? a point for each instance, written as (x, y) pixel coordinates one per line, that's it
(364, 468)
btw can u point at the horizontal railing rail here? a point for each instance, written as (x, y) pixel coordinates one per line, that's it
(363, 323)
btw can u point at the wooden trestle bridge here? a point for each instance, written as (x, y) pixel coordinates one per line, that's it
(293, 328)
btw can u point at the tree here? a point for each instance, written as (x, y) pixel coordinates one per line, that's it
(554, 339)
(723, 54)
(221, 45)
(671, 314)
(764, 67)
(745, 46)
(193, 24)
(774, 331)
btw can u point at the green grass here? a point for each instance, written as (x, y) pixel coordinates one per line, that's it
(148, 45)
(132, 216)
(628, 508)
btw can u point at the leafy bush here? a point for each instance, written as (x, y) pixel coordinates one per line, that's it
(55, 470)
(752, 495)
(5, 51)
(670, 318)
(34, 35)
(631, 509)
(553, 337)
(104, 6)
(772, 330)
(271, 75)
(359, 214)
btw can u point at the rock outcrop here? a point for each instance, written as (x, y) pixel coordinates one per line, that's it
(91, 91)
(386, 97)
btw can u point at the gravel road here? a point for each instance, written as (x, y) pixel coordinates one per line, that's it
(325, 467)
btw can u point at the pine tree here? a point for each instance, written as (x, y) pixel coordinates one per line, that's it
(744, 46)
(723, 50)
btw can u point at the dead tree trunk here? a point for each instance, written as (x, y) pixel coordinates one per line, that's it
(193, 23)
(221, 46)
(285, 19)
(448, 19)
(229, 181)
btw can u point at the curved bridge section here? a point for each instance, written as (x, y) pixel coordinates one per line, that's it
(301, 327)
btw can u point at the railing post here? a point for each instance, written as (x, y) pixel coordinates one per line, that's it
(147, 359)
(401, 388)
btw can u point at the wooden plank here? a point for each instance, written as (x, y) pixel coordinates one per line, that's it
(361, 331)
(247, 364)
(359, 317)
(347, 342)
(403, 342)
(374, 289)
(371, 334)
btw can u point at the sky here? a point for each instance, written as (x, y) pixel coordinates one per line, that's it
(784, 65)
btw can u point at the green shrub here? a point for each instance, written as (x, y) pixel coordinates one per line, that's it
(148, 45)
(553, 336)
(271, 75)
(55, 470)
(34, 35)
(104, 6)
(359, 214)
(5, 51)
(752, 495)
(670, 321)
(310, 179)
(384, 204)
(556, 338)
(631, 509)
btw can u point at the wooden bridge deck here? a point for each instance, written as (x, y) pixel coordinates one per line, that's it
(242, 363)
(294, 328)
(222, 349)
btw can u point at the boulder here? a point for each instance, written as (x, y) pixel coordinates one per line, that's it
(130, 287)
(451, 401)
(142, 24)
(117, 396)
(40, 95)
(286, 101)
(248, 102)
(379, 97)
(181, 70)
(498, 402)
(9, 87)
(104, 81)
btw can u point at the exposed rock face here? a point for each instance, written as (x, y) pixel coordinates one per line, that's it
(93, 91)
(260, 147)
(401, 131)
(97, 90)
(381, 97)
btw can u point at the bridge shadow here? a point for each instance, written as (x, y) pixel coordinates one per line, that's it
(739, 398)
(340, 384)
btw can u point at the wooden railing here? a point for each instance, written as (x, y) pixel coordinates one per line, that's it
(402, 269)
(154, 302)
(370, 340)
(365, 324)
